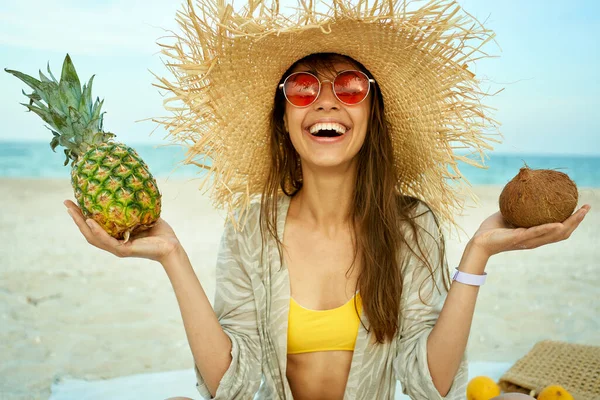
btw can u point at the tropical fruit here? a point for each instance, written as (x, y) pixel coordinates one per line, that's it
(482, 388)
(112, 184)
(554, 392)
(536, 197)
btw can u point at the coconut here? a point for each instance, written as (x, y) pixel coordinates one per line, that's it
(538, 196)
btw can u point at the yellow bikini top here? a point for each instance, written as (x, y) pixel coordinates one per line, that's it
(316, 330)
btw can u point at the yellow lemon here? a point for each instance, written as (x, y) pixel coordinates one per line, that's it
(482, 388)
(554, 392)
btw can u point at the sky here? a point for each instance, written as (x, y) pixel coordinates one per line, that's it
(547, 64)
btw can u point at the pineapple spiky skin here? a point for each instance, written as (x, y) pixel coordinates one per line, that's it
(114, 187)
(112, 184)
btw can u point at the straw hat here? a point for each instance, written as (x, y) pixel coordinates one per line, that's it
(226, 65)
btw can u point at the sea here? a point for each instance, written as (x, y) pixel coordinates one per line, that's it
(36, 160)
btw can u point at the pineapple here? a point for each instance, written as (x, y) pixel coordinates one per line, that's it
(112, 184)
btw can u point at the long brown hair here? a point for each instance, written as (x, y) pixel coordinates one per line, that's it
(378, 209)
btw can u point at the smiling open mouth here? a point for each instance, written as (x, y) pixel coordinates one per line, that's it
(327, 129)
(326, 133)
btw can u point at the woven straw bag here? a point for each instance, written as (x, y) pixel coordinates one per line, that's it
(576, 367)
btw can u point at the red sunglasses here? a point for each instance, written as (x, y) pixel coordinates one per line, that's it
(351, 87)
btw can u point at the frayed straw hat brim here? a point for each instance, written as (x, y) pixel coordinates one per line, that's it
(226, 66)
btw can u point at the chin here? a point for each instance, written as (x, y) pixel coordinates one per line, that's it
(329, 162)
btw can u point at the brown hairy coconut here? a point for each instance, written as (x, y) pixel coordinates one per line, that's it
(538, 196)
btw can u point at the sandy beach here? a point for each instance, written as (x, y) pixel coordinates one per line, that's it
(68, 309)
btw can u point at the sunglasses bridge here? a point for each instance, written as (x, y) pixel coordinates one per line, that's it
(320, 82)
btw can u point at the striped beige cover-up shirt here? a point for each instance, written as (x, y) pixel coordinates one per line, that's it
(252, 304)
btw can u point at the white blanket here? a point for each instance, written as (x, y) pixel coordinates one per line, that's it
(162, 385)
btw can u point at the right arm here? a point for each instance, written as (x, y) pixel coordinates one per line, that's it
(224, 341)
(210, 346)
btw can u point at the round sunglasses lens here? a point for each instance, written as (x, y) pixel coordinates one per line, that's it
(301, 89)
(351, 87)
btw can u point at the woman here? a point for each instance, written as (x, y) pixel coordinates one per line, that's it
(337, 286)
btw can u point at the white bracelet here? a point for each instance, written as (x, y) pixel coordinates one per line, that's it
(469, 279)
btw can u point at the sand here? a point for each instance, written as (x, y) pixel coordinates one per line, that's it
(68, 309)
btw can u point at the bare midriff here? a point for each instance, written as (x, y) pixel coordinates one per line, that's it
(321, 278)
(319, 375)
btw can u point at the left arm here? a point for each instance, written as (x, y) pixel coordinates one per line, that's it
(447, 341)
(424, 294)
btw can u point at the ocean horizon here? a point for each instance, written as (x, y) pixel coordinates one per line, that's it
(22, 159)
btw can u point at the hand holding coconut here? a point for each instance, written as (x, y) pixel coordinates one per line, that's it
(536, 197)
(536, 208)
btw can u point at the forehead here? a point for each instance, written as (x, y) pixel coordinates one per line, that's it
(328, 71)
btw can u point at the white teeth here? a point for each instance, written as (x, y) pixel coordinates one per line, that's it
(339, 128)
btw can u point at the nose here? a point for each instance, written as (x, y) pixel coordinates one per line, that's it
(326, 100)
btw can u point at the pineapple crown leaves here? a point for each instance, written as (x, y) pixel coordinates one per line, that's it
(75, 121)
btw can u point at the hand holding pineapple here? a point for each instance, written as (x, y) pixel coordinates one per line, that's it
(156, 243)
(112, 184)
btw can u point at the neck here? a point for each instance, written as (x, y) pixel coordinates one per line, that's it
(325, 198)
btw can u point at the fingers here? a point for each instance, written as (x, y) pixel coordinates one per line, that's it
(100, 238)
(552, 233)
(570, 224)
(526, 236)
(575, 219)
(78, 218)
(93, 232)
